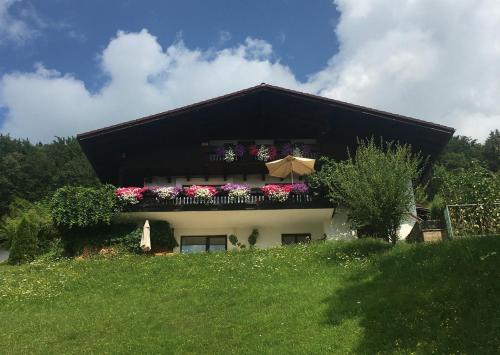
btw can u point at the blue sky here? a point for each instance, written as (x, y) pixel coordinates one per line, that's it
(71, 66)
(73, 32)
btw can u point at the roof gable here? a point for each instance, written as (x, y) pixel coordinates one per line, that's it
(260, 88)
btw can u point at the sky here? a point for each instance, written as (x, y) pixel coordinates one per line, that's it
(71, 66)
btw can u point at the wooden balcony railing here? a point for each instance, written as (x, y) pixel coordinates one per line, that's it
(254, 201)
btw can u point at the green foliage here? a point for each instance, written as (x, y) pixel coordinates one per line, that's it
(479, 189)
(233, 239)
(130, 241)
(34, 171)
(127, 235)
(162, 235)
(252, 238)
(24, 244)
(491, 151)
(375, 185)
(475, 220)
(42, 234)
(76, 206)
(10, 221)
(421, 196)
(437, 207)
(469, 186)
(460, 153)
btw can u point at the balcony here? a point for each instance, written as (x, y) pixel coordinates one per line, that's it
(256, 201)
(249, 153)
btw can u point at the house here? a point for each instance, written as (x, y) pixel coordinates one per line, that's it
(226, 140)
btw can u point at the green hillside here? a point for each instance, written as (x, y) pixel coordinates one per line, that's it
(358, 297)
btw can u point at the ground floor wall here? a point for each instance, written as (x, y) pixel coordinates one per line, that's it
(268, 236)
(320, 223)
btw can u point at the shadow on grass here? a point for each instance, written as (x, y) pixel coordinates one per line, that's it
(440, 298)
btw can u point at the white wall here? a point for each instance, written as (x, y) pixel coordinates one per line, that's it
(270, 223)
(338, 227)
(268, 236)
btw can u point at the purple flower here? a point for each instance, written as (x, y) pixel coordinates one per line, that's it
(306, 150)
(220, 151)
(239, 149)
(231, 187)
(300, 188)
(287, 149)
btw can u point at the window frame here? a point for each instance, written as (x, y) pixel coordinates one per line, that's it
(207, 240)
(295, 235)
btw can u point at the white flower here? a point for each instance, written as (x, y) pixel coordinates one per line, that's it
(263, 153)
(229, 155)
(241, 194)
(297, 152)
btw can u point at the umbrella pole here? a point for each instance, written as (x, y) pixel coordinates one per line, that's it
(292, 177)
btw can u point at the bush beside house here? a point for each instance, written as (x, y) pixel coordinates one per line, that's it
(375, 184)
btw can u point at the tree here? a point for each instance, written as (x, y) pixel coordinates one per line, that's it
(24, 245)
(460, 152)
(491, 150)
(375, 184)
(33, 171)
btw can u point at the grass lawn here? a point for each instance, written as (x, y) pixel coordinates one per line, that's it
(357, 297)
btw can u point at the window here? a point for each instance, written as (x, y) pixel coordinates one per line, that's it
(198, 244)
(287, 239)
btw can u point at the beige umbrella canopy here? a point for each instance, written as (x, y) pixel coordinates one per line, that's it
(290, 165)
(146, 239)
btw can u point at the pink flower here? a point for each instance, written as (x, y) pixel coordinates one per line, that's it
(130, 195)
(203, 192)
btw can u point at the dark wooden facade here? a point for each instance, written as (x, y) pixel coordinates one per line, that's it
(175, 143)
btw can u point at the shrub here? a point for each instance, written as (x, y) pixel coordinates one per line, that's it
(162, 235)
(374, 185)
(8, 227)
(252, 238)
(479, 190)
(24, 245)
(473, 185)
(97, 237)
(37, 215)
(129, 238)
(437, 207)
(74, 206)
(233, 239)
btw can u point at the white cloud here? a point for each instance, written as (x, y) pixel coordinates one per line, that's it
(16, 28)
(435, 60)
(438, 61)
(143, 79)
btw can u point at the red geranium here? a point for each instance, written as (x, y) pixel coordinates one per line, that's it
(253, 150)
(273, 152)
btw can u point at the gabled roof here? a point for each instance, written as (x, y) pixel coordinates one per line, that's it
(264, 87)
(260, 112)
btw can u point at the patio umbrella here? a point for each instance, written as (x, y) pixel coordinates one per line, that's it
(290, 165)
(145, 239)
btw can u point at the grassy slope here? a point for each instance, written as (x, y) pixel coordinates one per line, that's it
(321, 298)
